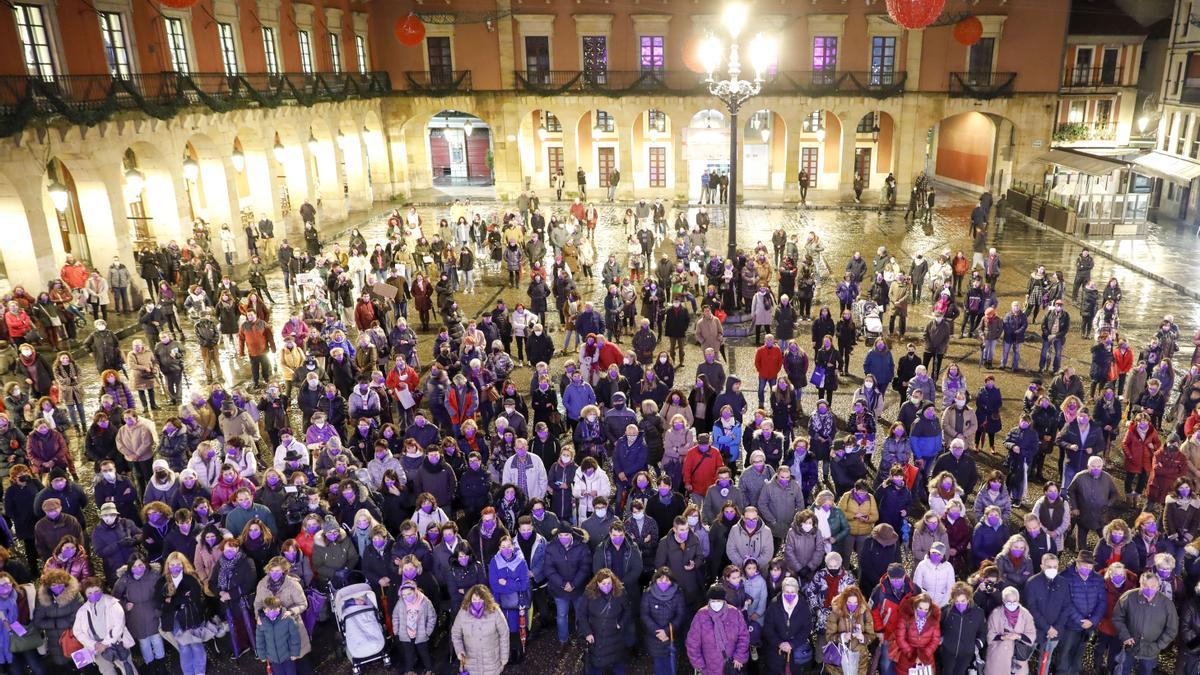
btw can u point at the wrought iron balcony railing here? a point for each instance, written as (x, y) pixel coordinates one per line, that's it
(981, 85)
(1080, 78)
(618, 83)
(91, 99)
(437, 82)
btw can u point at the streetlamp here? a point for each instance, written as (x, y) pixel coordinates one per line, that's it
(734, 91)
(279, 151)
(191, 170)
(239, 160)
(58, 194)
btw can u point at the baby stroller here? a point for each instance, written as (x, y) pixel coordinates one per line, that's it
(870, 318)
(356, 611)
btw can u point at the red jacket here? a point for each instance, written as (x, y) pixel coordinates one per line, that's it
(907, 645)
(1139, 453)
(364, 314)
(461, 411)
(699, 470)
(255, 338)
(408, 376)
(768, 361)
(18, 324)
(75, 276)
(1123, 359)
(610, 354)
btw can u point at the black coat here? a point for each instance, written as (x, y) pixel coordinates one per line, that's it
(779, 627)
(662, 611)
(962, 630)
(184, 609)
(241, 585)
(602, 617)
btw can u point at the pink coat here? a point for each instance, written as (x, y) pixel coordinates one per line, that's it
(706, 653)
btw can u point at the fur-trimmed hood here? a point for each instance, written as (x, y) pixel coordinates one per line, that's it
(1185, 504)
(69, 594)
(908, 611)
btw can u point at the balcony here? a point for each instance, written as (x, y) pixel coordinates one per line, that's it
(617, 83)
(437, 82)
(91, 99)
(983, 86)
(1189, 94)
(1076, 132)
(1091, 78)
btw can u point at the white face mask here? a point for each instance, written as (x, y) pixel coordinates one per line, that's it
(1011, 606)
(806, 527)
(716, 605)
(1050, 574)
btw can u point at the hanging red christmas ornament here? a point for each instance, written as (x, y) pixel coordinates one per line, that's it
(691, 54)
(915, 14)
(968, 31)
(410, 30)
(178, 4)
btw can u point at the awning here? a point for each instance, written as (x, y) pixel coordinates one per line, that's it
(1082, 162)
(1167, 167)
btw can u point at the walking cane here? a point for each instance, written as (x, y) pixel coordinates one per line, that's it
(521, 626)
(387, 614)
(671, 635)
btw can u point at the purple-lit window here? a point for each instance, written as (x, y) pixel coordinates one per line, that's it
(824, 53)
(652, 53)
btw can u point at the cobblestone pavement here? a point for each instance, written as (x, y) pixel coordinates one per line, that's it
(843, 232)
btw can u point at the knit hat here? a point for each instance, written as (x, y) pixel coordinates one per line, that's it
(618, 397)
(331, 525)
(161, 464)
(188, 473)
(716, 592)
(57, 472)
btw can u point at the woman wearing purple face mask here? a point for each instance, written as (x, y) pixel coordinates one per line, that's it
(233, 581)
(278, 583)
(663, 612)
(183, 613)
(604, 612)
(1117, 545)
(963, 623)
(917, 633)
(100, 627)
(70, 557)
(58, 599)
(333, 552)
(258, 544)
(21, 652)
(849, 624)
(480, 634)
(137, 590)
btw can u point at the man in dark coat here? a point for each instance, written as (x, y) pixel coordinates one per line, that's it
(105, 348)
(681, 552)
(568, 567)
(1047, 598)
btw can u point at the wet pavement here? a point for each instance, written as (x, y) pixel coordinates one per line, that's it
(843, 231)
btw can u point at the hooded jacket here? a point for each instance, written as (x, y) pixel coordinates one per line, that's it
(717, 639)
(908, 645)
(565, 565)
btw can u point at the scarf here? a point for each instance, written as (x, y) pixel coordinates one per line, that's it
(225, 571)
(274, 586)
(1012, 616)
(920, 622)
(412, 613)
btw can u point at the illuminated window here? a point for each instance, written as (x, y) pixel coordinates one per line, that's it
(228, 48)
(335, 52)
(269, 48)
(177, 45)
(306, 56)
(360, 53)
(35, 41)
(116, 49)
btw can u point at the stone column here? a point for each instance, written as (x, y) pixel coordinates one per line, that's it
(504, 27)
(625, 189)
(791, 161)
(846, 169)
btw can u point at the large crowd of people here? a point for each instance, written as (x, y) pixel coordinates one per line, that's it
(491, 486)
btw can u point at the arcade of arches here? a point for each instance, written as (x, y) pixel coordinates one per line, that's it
(100, 192)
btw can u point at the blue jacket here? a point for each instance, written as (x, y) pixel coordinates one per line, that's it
(987, 542)
(568, 565)
(629, 458)
(1025, 440)
(576, 396)
(892, 500)
(1048, 601)
(729, 443)
(537, 562)
(882, 366)
(926, 438)
(1089, 598)
(514, 593)
(589, 322)
(1015, 326)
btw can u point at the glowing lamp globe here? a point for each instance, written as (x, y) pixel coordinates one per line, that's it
(915, 14)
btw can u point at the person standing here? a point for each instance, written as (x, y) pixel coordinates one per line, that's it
(581, 181)
(718, 637)
(119, 280)
(480, 634)
(256, 338)
(803, 186)
(614, 178)
(1147, 623)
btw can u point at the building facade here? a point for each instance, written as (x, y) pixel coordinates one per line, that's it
(1175, 159)
(127, 121)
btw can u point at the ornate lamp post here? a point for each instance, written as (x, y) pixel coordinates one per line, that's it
(733, 91)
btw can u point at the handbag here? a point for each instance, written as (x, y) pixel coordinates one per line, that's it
(818, 377)
(921, 670)
(69, 643)
(831, 655)
(802, 654)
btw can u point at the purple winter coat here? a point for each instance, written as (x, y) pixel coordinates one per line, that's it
(703, 648)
